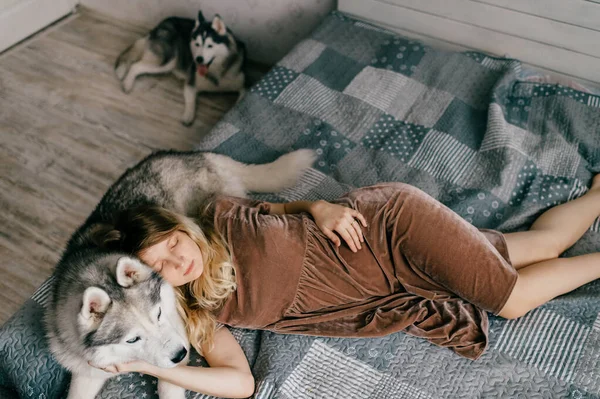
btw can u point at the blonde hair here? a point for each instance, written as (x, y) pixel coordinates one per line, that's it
(139, 228)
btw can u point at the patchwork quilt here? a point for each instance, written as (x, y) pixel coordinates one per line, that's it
(464, 127)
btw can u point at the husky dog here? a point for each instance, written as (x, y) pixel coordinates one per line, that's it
(108, 307)
(205, 54)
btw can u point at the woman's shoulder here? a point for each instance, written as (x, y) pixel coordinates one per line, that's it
(224, 206)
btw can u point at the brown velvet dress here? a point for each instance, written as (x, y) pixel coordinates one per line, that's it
(422, 270)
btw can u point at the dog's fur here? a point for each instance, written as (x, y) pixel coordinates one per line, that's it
(108, 307)
(205, 54)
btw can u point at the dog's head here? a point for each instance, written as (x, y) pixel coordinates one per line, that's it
(132, 318)
(209, 42)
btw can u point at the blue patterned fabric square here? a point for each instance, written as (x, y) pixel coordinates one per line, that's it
(517, 110)
(400, 55)
(534, 187)
(464, 123)
(247, 149)
(274, 82)
(398, 138)
(333, 69)
(330, 145)
(478, 207)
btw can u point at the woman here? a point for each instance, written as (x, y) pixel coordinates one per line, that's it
(408, 264)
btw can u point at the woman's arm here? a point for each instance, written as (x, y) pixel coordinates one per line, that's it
(228, 376)
(332, 219)
(291, 207)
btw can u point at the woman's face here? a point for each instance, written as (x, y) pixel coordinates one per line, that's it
(177, 259)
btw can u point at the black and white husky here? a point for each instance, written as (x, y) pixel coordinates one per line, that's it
(204, 53)
(108, 307)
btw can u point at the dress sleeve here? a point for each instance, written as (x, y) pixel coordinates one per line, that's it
(227, 205)
(238, 214)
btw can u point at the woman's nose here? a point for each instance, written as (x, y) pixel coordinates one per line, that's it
(180, 262)
(177, 262)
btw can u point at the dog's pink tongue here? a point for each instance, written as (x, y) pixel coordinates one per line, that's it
(202, 70)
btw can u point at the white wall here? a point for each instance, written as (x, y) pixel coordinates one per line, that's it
(558, 35)
(22, 18)
(270, 28)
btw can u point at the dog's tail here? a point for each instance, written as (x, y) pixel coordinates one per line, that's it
(271, 177)
(131, 54)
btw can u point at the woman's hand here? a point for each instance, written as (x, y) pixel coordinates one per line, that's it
(333, 218)
(137, 366)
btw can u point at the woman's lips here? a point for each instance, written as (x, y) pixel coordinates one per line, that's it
(189, 268)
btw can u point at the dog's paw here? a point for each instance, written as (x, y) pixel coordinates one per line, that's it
(127, 86)
(121, 71)
(188, 116)
(187, 122)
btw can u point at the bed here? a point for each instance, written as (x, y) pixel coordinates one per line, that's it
(468, 129)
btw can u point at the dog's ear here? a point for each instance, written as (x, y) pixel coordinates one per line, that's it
(95, 304)
(200, 18)
(104, 235)
(131, 271)
(218, 25)
(99, 235)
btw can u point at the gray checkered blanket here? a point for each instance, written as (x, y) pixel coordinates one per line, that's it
(461, 126)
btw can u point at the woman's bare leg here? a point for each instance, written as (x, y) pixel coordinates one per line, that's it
(555, 230)
(534, 253)
(540, 282)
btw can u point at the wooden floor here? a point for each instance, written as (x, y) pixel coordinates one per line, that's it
(67, 131)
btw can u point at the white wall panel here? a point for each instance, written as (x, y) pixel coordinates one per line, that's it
(501, 27)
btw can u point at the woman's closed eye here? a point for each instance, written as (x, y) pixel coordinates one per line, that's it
(174, 242)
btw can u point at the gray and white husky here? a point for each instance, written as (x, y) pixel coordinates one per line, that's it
(205, 54)
(108, 307)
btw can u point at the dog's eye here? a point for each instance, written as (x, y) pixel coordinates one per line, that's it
(133, 340)
(209, 46)
(159, 313)
(197, 44)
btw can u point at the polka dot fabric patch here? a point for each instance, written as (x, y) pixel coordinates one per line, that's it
(478, 207)
(399, 55)
(546, 90)
(329, 144)
(274, 82)
(517, 110)
(534, 187)
(398, 138)
(477, 57)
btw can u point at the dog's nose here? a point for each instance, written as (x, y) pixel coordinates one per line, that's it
(179, 356)
(200, 59)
